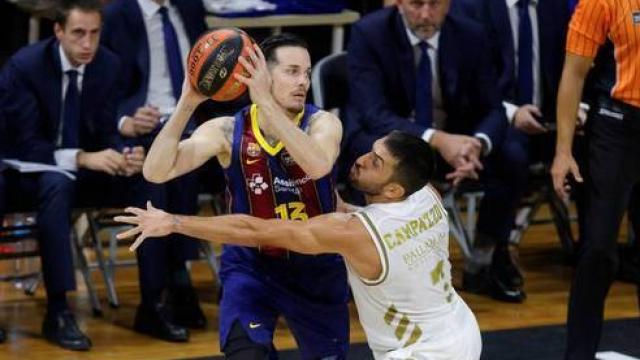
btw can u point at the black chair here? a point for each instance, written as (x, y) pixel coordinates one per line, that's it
(100, 220)
(18, 237)
(542, 192)
(330, 82)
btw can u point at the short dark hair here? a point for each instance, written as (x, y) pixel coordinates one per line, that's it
(64, 7)
(272, 43)
(416, 160)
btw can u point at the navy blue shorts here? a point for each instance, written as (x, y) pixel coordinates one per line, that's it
(310, 292)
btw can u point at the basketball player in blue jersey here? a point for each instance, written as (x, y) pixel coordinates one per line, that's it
(278, 155)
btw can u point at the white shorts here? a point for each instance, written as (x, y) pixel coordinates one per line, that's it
(458, 339)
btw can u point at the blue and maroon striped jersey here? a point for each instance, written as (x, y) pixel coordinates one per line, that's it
(265, 181)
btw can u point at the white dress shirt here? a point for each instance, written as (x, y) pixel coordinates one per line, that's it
(160, 91)
(439, 114)
(514, 20)
(67, 158)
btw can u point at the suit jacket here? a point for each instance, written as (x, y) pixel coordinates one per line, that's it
(31, 99)
(124, 33)
(553, 18)
(382, 79)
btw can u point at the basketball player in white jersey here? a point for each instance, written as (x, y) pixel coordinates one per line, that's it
(396, 251)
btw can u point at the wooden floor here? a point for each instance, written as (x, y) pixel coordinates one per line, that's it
(547, 284)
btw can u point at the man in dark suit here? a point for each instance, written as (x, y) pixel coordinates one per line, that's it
(527, 43)
(152, 39)
(459, 114)
(419, 68)
(58, 97)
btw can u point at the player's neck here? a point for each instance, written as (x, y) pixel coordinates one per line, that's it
(379, 199)
(266, 128)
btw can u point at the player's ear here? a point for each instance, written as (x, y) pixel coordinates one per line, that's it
(394, 190)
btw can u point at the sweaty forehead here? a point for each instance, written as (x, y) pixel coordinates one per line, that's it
(293, 56)
(380, 149)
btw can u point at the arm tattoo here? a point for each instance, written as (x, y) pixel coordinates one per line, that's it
(227, 129)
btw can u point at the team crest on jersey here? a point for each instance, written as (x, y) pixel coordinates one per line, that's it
(253, 149)
(287, 159)
(636, 17)
(257, 184)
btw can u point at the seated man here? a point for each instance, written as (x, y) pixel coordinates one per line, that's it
(420, 68)
(396, 251)
(526, 42)
(152, 39)
(58, 99)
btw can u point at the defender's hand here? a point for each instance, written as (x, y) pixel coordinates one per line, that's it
(151, 222)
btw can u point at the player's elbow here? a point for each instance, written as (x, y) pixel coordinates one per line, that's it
(320, 170)
(153, 176)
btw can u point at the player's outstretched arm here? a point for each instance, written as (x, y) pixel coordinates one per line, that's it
(329, 233)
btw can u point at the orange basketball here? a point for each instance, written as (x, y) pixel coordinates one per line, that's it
(213, 60)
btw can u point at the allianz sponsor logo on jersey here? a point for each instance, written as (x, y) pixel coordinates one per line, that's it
(258, 186)
(289, 185)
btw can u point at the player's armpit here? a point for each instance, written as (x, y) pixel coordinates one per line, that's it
(326, 129)
(209, 140)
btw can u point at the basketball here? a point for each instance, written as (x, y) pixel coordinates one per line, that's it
(212, 61)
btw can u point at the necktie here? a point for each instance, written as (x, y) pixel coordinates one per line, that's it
(71, 112)
(172, 50)
(525, 54)
(424, 101)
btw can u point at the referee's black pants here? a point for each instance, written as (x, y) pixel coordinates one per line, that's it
(613, 167)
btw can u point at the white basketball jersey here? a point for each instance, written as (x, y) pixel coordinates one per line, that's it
(412, 311)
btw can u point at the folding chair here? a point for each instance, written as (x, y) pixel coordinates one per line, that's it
(543, 192)
(18, 238)
(329, 82)
(107, 261)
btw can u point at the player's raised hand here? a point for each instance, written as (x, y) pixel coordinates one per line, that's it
(190, 96)
(147, 223)
(259, 79)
